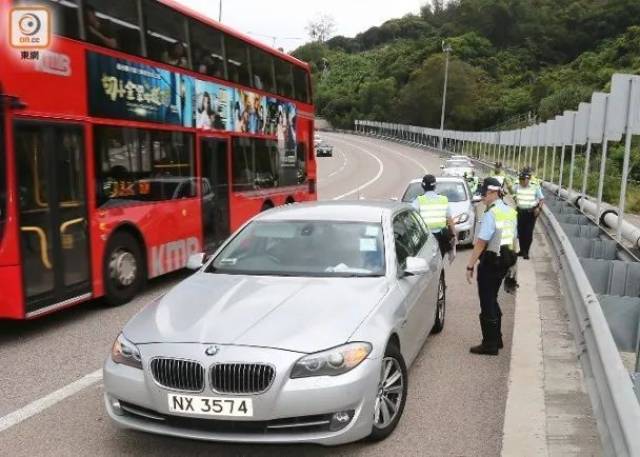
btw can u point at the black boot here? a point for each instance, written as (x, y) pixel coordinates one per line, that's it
(489, 344)
(500, 343)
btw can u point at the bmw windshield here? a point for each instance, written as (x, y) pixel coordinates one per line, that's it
(304, 248)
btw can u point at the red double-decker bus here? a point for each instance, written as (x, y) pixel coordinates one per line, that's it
(134, 133)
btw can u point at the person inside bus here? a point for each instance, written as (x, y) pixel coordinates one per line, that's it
(97, 33)
(175, 55)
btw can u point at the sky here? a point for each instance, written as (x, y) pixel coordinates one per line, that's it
(286, 19)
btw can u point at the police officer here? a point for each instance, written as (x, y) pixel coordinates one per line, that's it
(529, 200)
(495, 248)
(535, 181)
(436, 212)
(499, 174)
(472, 181)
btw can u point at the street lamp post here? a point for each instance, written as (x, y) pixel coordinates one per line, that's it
(446, 48)
(220, 12)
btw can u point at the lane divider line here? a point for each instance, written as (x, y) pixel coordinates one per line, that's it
(48, 401)
(344, 164)
(379, 146)
(368, 183)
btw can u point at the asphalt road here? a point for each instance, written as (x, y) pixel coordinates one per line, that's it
(456, 401)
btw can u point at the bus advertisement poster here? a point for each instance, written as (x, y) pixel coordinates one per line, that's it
(123, 89)
(213, 106)
(249, 112)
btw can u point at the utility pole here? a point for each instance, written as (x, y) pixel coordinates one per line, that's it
(220, 12)
(446, 48)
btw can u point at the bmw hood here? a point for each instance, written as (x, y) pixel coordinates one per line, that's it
(296, 314)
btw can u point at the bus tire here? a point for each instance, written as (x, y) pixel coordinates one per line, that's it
(290, 200)
(266, 206)
(123, 269)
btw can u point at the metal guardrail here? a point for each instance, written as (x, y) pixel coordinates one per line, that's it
(611, 388)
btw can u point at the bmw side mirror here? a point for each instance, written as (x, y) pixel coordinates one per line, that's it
(416, 266)
(195, 261)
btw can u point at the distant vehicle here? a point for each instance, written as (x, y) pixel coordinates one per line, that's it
(456, 168)
(300, 328)
(324, 149)
(460, 199)
(317, 139)
(459, 157)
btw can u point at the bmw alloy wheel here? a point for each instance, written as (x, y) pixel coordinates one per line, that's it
(390, 393)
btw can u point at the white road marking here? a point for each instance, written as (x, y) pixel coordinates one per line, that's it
(344, 164)
(379, 146)
(368, 183)
(48, 401)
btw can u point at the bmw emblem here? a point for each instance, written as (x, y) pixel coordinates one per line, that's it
(212, 350)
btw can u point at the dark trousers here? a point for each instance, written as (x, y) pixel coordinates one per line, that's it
(490, 279)
(526, 224)
(444, 240)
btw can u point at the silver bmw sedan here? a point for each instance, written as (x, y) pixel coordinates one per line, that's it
(299, 328)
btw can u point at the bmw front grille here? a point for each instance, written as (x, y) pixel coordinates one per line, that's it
(241, 378)
(178, 374)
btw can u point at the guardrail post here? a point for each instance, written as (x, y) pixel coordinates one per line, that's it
(625, 163)
(585, 177)
(603, 169)
(553, 162)
(561, 167)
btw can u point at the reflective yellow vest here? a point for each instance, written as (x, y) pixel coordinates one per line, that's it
(526, 196)
(434, 211)
(506, 224)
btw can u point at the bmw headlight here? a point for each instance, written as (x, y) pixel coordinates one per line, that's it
(461, 218)
(331, 362)
(125, 352)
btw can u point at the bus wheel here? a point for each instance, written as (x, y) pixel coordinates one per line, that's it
(289, 201)
(123, 271)
(266, 205)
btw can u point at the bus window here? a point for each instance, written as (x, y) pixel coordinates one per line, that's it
(136, 165)
(65, 19)
(242, 162)
(301, 84)
(302, 162)
(206, 50)
(237, 61)
(266, 161)
(284, 78)
(114, 24)
(166, 34)
(262, 70)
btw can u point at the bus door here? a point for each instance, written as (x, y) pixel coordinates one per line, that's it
(215, 191)
(53, 213)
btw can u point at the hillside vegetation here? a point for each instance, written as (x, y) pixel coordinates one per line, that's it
(509, 57)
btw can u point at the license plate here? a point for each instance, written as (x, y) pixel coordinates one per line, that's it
(210, 406)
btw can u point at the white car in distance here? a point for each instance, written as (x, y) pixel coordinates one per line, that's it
(460, 200)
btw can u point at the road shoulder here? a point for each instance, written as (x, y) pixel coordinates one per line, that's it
(548, 410)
